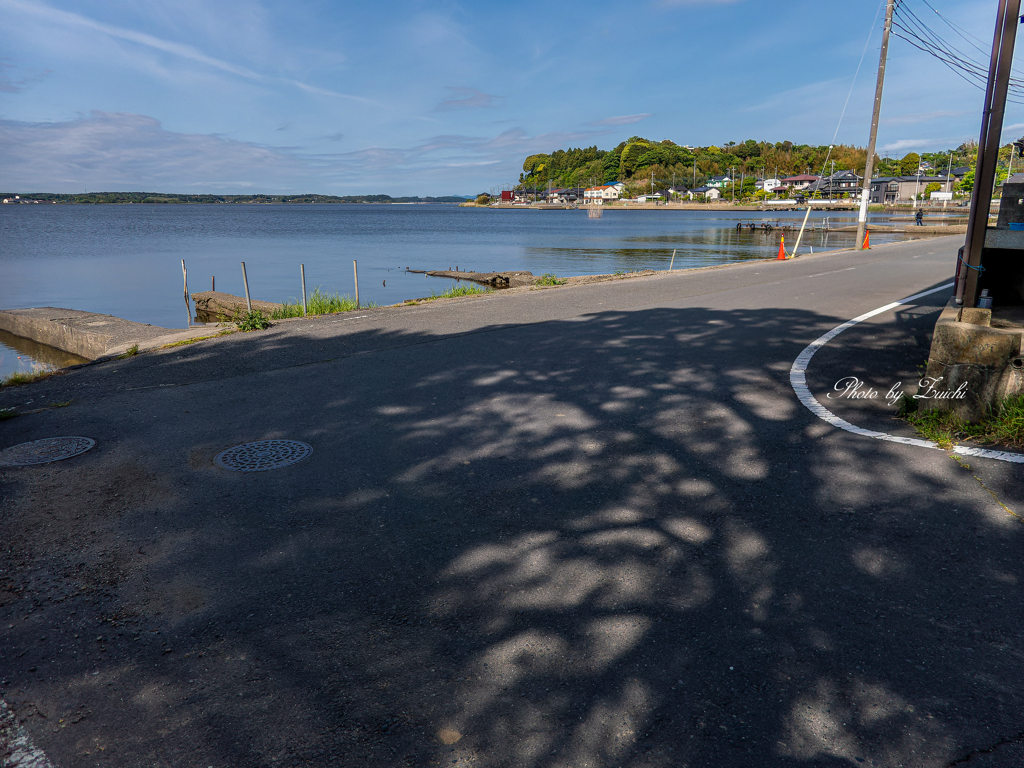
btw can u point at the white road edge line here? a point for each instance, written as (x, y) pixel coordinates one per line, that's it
(798, 380)
(23, 753)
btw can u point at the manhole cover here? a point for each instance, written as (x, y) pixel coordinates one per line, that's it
(263, 455)
(44, 451)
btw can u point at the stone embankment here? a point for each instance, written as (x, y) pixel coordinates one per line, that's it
(491, 279)
(213, 306)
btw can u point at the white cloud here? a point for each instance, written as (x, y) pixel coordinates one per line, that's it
(124, 152)
(623, 119)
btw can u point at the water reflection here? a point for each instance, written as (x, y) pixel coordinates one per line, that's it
(19, 355)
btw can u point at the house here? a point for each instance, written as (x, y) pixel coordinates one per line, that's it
(770, 185)
(507, 196)
(711, 193)
(719, 182)
(890, 189)
(603, 192)
(838, 184)
(801, 182)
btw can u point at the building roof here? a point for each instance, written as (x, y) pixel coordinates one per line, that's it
(801, 177)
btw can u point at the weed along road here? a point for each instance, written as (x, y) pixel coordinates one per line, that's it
(564, 527)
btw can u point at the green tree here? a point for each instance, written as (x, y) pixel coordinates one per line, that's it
(910, 163)
(932, 187)
(967, 182)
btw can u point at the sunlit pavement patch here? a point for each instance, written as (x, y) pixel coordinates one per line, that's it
(798, 380)
(16, 748)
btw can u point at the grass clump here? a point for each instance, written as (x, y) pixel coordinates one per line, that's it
(19, 377)
(132, 351)
(185, 342)
(549, 278)
(459, 290)
(7, 413)
(1003, 424)
(319, 303)
(1008, 424)
(253, 320)
(60, 403)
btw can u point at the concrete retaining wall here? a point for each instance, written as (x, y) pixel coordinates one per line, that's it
(969, 356)
(55, 328)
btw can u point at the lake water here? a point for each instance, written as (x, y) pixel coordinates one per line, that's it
(125, 260)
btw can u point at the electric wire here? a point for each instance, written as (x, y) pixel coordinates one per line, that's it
(911, 28)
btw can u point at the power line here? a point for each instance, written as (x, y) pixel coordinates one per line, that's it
(908, 26)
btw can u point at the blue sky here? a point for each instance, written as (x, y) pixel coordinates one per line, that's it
(438, 98)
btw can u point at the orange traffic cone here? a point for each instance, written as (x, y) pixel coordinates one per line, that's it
(782, 249)
(867, 240)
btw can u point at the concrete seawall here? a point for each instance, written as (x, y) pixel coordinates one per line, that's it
(88, 334)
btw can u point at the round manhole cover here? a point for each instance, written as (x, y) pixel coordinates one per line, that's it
(44, 451)
(263, 455)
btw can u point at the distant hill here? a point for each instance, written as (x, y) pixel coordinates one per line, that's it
(97, 198)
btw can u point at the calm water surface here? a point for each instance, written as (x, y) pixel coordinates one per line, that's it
(125, 260)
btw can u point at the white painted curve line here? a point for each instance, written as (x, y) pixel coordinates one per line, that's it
(798, 380)
(22, 752)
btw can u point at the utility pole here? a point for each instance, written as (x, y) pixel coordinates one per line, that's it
(969, 262)
(865, 193)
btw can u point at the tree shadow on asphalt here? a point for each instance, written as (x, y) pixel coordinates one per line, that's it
(612, 541)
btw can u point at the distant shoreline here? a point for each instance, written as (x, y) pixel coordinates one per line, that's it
(167, 198)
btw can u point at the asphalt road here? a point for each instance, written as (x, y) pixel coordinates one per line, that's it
(587, 526)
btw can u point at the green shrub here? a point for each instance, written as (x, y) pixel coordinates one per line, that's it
(253, 320)
(549, 278)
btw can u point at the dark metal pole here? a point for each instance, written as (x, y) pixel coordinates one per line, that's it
(988, 150)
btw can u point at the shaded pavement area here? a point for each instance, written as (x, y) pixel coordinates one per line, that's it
(574, 527)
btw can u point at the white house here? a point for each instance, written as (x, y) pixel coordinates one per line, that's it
(711, 193)
(603, 192)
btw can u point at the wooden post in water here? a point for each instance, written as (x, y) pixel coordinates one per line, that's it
(673, 259)
(213, 283)
(248, 301)
(302, 269)
(355, 271)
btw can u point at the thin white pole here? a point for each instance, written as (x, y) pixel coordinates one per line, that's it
(800, 236)
(302, 269)
(673, 260)
(355, 271)
(245, 280)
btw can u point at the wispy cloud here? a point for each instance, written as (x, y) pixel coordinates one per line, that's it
(920, 117)
(11, 83)
(671, 3)
(181, 50)
(924, 145)
(623, 119)
(467, 98)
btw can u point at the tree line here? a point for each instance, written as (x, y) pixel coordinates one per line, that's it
(637, 161)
